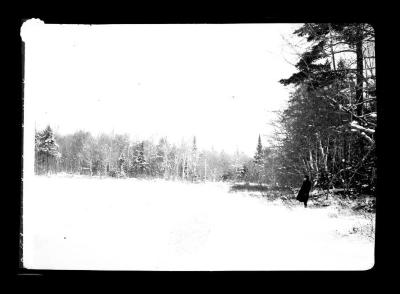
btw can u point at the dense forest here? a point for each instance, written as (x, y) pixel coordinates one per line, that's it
(327, 131)
(329, 128)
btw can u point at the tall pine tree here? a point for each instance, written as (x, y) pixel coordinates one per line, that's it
(46, 151)
(259, 161)
(258, 157)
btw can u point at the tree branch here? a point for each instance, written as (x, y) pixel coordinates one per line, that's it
(355, 125)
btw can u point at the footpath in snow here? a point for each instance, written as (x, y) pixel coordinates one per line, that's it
(129, 224)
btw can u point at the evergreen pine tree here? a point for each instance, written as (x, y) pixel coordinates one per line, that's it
(258, 161)
(46, 148)
(259, 153)
(139, 163)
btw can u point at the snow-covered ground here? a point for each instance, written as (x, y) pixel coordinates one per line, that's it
(130, 224)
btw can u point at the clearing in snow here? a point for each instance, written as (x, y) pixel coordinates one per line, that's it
(88, 223)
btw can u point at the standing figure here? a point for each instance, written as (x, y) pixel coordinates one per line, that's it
(304, 191)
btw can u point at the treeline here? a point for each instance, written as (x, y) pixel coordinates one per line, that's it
(328, 128)
(116, 155)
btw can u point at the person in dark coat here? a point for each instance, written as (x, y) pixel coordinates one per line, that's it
(304, 191)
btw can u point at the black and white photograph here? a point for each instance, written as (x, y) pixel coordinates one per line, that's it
(198, 146)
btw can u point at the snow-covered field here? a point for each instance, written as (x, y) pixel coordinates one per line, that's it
(130, 224)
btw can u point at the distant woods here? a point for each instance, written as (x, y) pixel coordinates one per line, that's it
(116, 155)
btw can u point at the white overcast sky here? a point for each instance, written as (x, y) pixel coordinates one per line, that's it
(218, 82)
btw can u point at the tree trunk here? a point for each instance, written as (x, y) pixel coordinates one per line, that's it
(331, 46)
(323, 155)
(360, 70)
(183, 169)
(311, 160)
(205, 170)
(47, 164)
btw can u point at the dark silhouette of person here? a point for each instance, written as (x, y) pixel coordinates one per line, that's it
(304, 191)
